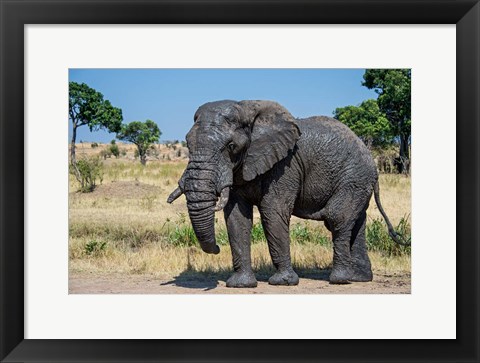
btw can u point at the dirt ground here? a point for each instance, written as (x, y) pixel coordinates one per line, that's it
(89, 283)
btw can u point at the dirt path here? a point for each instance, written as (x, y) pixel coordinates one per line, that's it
(89, 283)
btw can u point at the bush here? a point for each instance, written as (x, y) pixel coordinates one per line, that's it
(183, 235)
(94, 248)
(113, 149)
(94, 145)
(303, 234)
(379, 240)
(89, 171)
(257, 234)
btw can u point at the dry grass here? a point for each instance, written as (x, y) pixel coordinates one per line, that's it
(162, 152)
(395, 196)
(128, 213)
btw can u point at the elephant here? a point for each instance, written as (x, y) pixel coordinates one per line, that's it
(255, 153)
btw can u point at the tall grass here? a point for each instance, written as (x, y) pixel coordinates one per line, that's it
(125, 225)
(180, 233)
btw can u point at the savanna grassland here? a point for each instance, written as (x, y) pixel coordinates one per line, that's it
(125, 238)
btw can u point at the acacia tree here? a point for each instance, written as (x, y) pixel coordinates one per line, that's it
(87, 107)
(368, 122)
(393, 87)
(142, 134)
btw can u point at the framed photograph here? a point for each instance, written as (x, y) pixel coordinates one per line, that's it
(128, 236)
(72, 292)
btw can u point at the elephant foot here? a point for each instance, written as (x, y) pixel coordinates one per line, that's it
(285, 277)
(341, 275)
(362, 274)
(242, 279)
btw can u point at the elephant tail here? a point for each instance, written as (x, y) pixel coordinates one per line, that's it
(397, 237)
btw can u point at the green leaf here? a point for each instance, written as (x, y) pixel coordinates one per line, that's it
(87, 107)
(368, 122)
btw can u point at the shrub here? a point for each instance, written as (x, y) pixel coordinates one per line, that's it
(94, 248)
(90, 170)
(257, 233)
(303, 234)
(222, 237)
(300, 234)
(113, 149)
(183, 235)
(94, 145)
(379, 240)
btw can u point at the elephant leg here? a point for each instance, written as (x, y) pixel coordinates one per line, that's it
(341, 216)
(276, 227)
(362, 269)
(342, 265)
(238, 217)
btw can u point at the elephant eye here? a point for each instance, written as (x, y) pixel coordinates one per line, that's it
(231, 146)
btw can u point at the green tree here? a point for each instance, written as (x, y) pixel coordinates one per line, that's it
(86, 106)
(142, 134)
(368, 122)
(393, 87)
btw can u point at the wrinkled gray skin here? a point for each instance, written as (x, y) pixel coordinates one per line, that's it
(256, 153)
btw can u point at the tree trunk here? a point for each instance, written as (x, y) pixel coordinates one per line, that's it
(404, 162)
(72, 145)
(73, 159)
(143, 156)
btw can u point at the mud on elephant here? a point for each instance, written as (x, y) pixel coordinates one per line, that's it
(256, 153)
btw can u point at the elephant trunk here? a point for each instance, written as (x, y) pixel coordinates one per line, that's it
(202, 216)
(201, 184)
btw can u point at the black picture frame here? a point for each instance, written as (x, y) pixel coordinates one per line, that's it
(15, 14)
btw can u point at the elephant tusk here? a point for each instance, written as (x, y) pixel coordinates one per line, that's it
(222, 202)
(175, 194)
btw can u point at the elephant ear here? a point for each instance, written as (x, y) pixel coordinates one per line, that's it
(273, 135)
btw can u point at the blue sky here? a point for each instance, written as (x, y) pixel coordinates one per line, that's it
(170, 97)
